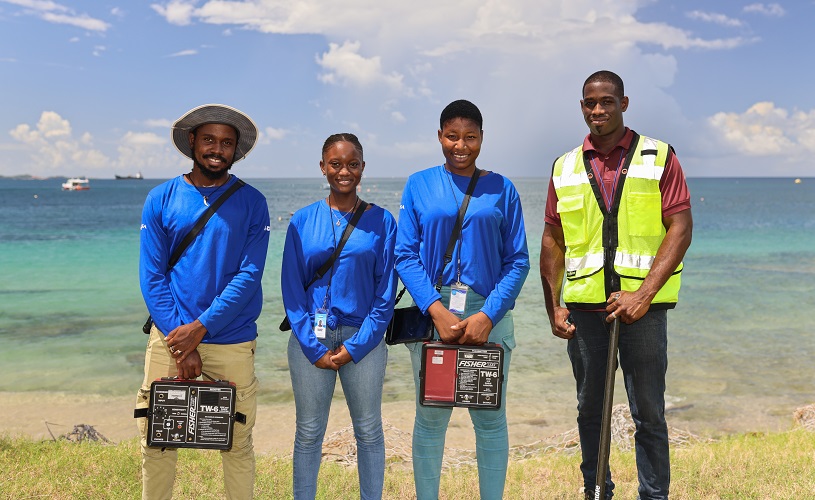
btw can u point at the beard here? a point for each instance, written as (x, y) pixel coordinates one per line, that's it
(214, 175)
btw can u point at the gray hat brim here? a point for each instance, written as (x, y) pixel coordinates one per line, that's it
(215, 113)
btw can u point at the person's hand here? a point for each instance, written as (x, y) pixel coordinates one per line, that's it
(190, 367)
(326, 363)
(444, 320)
(628, 306)
(185, 339)
(476, 329)
(561, 327)
(341, 357)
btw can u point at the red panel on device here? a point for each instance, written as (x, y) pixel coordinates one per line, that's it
(440, 375)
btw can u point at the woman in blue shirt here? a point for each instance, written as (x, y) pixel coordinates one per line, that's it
(338, 322)
(490, 262)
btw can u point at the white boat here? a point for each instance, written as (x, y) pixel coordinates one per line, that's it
(76, 184)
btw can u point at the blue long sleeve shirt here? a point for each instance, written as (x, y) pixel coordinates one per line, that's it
(363, 280)
(491, 253)
(217, 278)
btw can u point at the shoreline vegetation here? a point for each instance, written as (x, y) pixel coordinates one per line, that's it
(43, 462)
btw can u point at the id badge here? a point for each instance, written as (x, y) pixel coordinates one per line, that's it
(320, 318)
(458, 298)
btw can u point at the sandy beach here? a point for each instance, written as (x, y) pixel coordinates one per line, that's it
(26, 414)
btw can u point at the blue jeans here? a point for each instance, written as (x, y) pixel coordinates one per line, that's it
(491, 436)
(643, 357)
(313, 390)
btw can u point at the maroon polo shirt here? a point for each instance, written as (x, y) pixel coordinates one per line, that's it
(672, 185)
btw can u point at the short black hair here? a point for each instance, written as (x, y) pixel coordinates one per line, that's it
(461, 109)
(343, 137)
(606, 76)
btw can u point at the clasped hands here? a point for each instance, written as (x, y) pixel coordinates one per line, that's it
(183, 345)
(473, 330)
(333, 360)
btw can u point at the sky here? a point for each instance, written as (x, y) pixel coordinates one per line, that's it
(92, 87)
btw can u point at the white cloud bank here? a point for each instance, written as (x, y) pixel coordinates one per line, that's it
(770, 10)
(53, 12)
(766, 130)
(53, 149)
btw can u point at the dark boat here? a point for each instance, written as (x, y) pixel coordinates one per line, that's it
(137, 176)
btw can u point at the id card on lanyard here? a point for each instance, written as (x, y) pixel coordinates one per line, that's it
(458, 298)
(320, 318)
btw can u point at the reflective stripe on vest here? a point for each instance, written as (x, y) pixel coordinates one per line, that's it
(633, 227)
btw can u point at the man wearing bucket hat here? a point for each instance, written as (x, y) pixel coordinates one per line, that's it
(204, 307)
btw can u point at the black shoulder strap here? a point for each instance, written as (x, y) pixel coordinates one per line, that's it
(451, 245)
(345, 235)
(202, 221)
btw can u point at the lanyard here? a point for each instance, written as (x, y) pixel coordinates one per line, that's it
(334, 235)
(460, 236)
(609, 197)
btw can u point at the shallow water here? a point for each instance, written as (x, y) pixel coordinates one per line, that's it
(741, 349)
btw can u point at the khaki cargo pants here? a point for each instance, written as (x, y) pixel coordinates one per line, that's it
(232, 362)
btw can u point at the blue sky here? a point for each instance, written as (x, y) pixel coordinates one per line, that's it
(91, 87)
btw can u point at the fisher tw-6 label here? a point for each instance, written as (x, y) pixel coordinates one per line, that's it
(454, 375)
(191, 414)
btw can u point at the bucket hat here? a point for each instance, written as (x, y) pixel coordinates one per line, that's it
(215, 113)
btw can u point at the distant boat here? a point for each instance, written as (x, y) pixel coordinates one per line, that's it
(137, 176)
(76, 184)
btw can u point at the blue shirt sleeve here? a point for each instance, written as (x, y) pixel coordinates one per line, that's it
(514, 259)
(409, 245)
(246, 281)
(294, 276)
(381, 310)
(154, 255)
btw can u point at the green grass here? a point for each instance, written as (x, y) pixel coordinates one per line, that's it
(750, 466)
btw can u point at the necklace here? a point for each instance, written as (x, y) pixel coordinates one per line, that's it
(207, 197)
(344, 216)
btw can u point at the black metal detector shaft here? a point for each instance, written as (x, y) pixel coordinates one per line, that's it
(608, 402)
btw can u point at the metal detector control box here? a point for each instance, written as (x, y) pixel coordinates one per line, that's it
(191, 414)
(461, 375)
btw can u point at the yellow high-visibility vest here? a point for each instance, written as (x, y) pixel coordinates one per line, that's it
(612, 250)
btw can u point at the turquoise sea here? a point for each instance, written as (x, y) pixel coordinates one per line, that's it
(741, 344)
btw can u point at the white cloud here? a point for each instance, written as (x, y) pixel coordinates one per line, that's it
(82, 21)
(715, 18)
(273, 134)
(771, 10)
(176, 12)
(98, 50)
(147, 151)
(398, 117)
(765, 129)
(158, 123)
(344, 65)
(53, 12)
(182, 53)
(51, 144)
